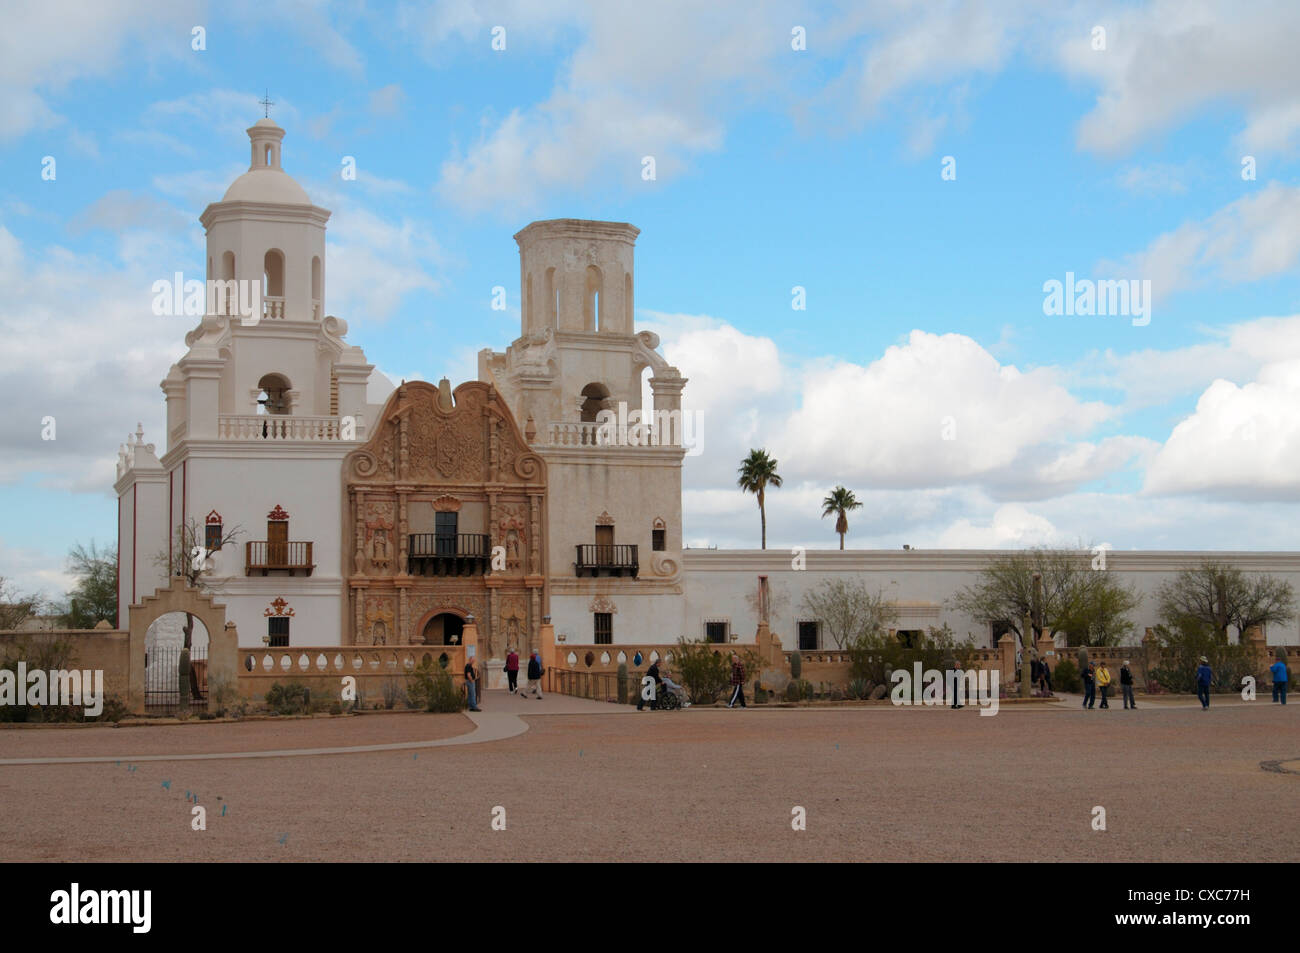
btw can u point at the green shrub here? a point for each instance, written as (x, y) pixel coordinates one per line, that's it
(223, 693)
(874, 655)
(1180, 653)
(859, 688)
(806, 690)
(706, 668)
(393, 693)
(796, 665)
(760, 696)
(793, 692)
(429, 686)
(1065, 677)
(290, 699)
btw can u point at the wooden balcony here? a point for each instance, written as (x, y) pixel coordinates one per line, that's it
(595, 559)
(264, 557)
(465, 554)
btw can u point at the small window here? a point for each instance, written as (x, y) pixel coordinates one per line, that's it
(657, 540)
(807, 636)
(604, 628)
(277, 628)
(715, 631)
(212, 534)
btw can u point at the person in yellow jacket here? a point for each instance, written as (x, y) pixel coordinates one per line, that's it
(1103, 682)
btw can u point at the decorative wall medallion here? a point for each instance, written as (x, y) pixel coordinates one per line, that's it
(446, 504)
(604, 519)
(277, 514)
(278, 607)
(602, 604)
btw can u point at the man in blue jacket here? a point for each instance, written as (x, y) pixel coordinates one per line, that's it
(1089, 685)
(1203, 678)
(1280, 678)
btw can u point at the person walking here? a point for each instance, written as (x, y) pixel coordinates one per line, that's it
(737, 682)
(1281, 678)
(1204, 675)
(1089, 685)
(535, 672)
(1103, 680)
(1047, 678)
(1126, 685)
(471, 684)
(512, 670)
(1036, 675)
(652, 672)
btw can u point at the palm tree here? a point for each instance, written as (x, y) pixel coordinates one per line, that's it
(840, 501)
(757, 472)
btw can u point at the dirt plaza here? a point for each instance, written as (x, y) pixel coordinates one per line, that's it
(586, 781)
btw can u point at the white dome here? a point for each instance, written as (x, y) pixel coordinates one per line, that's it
(274, 186)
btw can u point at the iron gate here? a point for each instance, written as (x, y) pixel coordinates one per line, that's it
(162, 693)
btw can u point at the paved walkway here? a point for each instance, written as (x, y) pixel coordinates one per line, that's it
(499, 720)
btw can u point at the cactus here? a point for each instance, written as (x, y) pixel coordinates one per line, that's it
(796, 665)
(622, 683)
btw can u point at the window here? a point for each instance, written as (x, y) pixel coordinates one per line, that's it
(444, 524)
(604, 628)
(807, 636)
(277, 628)
(212, 532)
(657, 540)
(715, 632)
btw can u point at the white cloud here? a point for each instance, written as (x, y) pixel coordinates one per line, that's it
(1166, 60)
(1256, 236)
(1242, 442)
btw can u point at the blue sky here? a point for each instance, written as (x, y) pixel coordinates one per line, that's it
(776, 167)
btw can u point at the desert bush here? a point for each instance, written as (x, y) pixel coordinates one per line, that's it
(431, 687)
(792, 692)
(393, 693)
(874, 655)
(705, 668)
(290, 699)
(1181, 649)
(796, 665)
(859, 688)
(51, 652)
(1065, 677)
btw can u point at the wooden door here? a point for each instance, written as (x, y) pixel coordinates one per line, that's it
(277, 543)
(604, 545)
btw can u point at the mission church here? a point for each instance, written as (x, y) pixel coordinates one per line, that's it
(371, 515)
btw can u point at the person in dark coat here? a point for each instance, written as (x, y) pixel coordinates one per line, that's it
(652, 672)
(737, 682)
(535, 671)
(1089, 685)
(1126, 685)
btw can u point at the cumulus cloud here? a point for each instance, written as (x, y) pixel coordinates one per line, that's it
(1241, 442)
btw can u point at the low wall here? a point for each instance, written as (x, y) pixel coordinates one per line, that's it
(107, 650)
(323, 668)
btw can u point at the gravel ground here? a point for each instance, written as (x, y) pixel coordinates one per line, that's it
(1178, 784)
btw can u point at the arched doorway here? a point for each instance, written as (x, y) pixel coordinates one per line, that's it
(445, 628)
(163, 641)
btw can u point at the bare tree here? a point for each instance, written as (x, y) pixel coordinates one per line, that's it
(17, 607)
(1216, 595)
(848, 610)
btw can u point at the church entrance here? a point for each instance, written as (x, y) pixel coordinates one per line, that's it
(444, 629)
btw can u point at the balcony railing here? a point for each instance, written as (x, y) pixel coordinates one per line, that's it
(273, 306)
(263, 556)
(437, 554)
(595, 559)
(282, 427)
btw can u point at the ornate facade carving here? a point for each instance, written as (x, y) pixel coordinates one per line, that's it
(602, 604)
(467, 457)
